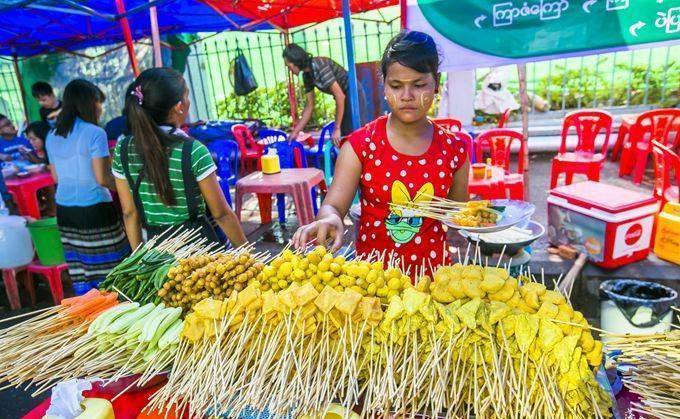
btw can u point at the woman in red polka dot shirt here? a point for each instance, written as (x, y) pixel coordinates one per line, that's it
(399, 158)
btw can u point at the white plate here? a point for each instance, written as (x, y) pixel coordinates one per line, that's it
(514, 213)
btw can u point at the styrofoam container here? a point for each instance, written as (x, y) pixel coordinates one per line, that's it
(612, 225)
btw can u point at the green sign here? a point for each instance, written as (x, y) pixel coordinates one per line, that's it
(518, 29)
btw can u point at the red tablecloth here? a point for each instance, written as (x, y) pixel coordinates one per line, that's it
(127, 406)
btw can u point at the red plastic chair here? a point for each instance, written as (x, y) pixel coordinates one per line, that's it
(248, 147)
(662, 125)
(504, 118)
(53, 276)
(451, 124)
(498, 142)
(588, 125)
(665, 161)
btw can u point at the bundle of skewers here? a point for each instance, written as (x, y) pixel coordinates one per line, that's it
(470, 341)
(34, 350)
(95, 336)
(651, 365)
(463, 214)
(141, 275)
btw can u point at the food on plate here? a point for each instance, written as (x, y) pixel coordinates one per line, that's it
(476, 214)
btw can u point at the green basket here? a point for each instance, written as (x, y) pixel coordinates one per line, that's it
(47, 241)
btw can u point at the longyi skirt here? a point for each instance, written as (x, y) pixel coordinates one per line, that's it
(93, 238)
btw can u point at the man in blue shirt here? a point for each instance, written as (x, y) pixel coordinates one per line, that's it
(10, 143)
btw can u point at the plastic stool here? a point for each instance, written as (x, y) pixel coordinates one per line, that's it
(53, 275)
(9, 277)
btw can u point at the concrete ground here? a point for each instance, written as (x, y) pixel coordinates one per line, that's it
(273, 237)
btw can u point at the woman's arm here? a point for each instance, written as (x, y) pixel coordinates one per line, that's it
(340, 110)
(53, 171)
(336, 204)
(459, 190)
(306, 115)
(133, 225)
(101, 166)
(220, 210)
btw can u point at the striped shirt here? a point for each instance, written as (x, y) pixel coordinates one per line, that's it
(157, 213)
(324, 72)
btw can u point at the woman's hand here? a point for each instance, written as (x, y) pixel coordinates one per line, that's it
(330, 225)
(335, 137)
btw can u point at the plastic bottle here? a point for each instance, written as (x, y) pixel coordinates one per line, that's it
(270, 162)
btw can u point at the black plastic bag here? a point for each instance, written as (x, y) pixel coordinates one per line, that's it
(244, 80)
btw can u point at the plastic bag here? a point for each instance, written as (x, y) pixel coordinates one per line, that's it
(643, 303)
(67, 397)
(244, 80)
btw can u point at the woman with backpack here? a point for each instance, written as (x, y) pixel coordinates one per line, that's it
(165, 178)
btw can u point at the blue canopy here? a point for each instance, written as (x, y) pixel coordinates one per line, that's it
(33, 27)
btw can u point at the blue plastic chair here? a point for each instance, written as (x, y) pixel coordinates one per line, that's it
(325, 153)
(270, 136)
(225, 153)
(291, 156)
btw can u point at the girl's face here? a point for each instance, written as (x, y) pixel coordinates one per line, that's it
(409, 93)
(99, 109)
(186, 102)
(292, 67)
(179, 112)
(36, 142)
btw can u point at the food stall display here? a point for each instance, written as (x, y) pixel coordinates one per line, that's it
(309, 332)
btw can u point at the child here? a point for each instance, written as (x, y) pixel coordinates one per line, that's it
(50, 106)
(400, 158)
(11, 144)
(36, 133)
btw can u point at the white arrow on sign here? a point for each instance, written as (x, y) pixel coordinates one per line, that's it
(635, 27)
(478, 20)
(588, 4)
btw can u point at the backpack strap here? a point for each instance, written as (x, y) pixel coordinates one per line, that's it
(190, 184)
(134, 185)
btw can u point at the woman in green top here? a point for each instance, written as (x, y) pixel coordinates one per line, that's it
(164, 177)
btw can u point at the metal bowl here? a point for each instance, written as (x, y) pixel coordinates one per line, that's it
(488, 248)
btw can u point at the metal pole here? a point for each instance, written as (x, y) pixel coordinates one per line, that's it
(404, 13)
(127, 35)
(155, 37)
(21, 85)
(522, 75)
(291, 87)
(352, 71)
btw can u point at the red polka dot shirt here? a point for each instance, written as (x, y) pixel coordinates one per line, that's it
(388, 176)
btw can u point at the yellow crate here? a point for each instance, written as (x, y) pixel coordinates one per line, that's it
(667, 241)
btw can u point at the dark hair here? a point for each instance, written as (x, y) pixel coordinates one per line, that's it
(79, 101)
(3, 116)
(412, 49)
(295, 54)
(39, 128)
(41, 88)
(155, 92)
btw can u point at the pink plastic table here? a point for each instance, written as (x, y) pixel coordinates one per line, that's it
(295, 182)
(489, 188)
(25, 192)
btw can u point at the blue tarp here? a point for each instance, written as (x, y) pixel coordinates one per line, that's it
(30, 28)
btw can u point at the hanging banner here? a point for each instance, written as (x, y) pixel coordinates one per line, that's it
(487, 33)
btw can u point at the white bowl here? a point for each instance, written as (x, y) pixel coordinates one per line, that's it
(34, 168)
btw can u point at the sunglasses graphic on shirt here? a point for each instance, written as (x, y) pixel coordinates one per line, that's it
(400, 228)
